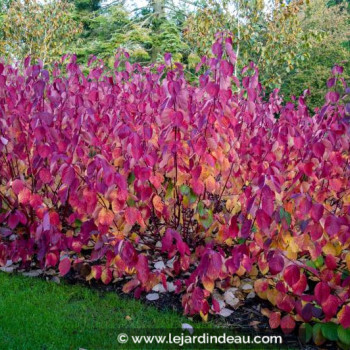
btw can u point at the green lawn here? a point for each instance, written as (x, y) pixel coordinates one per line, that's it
(35, 314)
(40, 315)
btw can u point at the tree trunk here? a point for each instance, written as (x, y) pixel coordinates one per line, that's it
(158, 7)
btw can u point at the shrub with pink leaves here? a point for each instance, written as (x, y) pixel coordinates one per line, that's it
(114, 172)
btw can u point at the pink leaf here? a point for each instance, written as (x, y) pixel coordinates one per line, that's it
(322, 292)
(291, 275)
(64, 266)
(276, 264)
(332, 226)
(287, 324)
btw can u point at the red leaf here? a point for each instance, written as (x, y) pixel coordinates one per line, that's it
(285, 302)
(132, 215)
(287, 324)
(131, 285)
(300, 286)
(197, 299)
(216, 305)
(335, 184)
(105, 217)
(330, 306)
(24, 196)
(291, 275)
(275, 319)
(263, 220)
(316, 212)
(318, 148)
(233, 228)
(344, 316)
(142, 269)
(267, 200)
(167, 241)
(129, 254)
(276, 264)
(68, 175)
(331, 262)
(212, 89)
(51, 260)
(64, 266)
(321, 292)
(45, 176)
(332, 226)
(106, 276)
(316, 231)
(96, 272)
(17, 186)
(182, 247)
(13, 221)
(308, 168)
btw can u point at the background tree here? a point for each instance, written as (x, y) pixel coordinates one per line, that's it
(106, 30)
(266, 32)
(163, 19)
(146, 32)
(332, 21)
(4, 6)
(42, 30)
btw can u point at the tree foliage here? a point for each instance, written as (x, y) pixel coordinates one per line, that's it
(41, 30)
(269, 33)
(333, 47)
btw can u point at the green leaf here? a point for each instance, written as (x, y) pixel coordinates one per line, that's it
(77, 223)
(345, 274)
(130, 202)
(305, 332)
(131, 178)
(206, 222)
(285, 215)
(344, 335)
(184, 189)
(169, 190)
(319, 261)
(193, 197)
(317, 335)
(330, 331)
(311, 264)
(200, 208)
(288, 218)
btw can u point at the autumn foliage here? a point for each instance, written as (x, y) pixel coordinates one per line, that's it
(108, 174)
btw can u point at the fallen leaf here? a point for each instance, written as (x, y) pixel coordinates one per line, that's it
(188, 327)
(159, 265)
(33, 273)
(152, 296)
(159, 288)
(225, 312)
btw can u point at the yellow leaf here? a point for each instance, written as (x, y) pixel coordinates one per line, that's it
(272, 296)
(329, 249)
(208, 284)
(204, 317)
(347, 259)
(210, 184)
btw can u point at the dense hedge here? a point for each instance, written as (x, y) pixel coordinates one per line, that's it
(138, 174)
